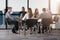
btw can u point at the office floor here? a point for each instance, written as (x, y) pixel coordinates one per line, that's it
(8, 35)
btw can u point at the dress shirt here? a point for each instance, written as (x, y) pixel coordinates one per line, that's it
(45, 15)
(27, 17)
(8, 15)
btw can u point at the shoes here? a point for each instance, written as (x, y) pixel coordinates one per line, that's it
(42, 32)
(39, 32)
(26, 29)
(30, 33)
(15, 32)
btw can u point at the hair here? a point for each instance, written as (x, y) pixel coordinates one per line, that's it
(36, 13)
(44, 9)
(30, 13)
(9, 7)
(23, 8)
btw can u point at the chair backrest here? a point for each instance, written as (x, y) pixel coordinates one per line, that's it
(46, 21)
(31, 22)
(8, 21)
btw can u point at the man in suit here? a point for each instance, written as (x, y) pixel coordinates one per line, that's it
(10, 19)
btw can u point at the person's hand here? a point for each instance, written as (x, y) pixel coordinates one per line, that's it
(17, 18)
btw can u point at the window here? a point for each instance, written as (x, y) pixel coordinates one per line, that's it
(17, 4)
(38, 4)
(55, 6)
(2, 5)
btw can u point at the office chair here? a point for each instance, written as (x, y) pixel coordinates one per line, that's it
(30, 23)
(46, 23)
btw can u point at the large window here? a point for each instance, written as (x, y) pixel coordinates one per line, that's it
(55, 6)
(17, 4)
(2, 5)
(38, 4)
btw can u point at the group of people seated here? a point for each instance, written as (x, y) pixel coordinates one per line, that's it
(45, 16)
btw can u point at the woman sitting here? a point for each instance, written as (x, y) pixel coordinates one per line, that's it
(36, 13)
(29, 15)
(36, 16)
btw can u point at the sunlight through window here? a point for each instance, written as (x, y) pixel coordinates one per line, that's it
(55, 6)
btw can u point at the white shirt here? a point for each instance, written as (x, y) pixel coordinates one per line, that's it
(45, 15)
(37, 16)
(27, 17)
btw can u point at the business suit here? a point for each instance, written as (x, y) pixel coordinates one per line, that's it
(9, 18)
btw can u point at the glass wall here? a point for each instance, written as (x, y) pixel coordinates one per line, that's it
(2, 7)
(38, 4)
(17, 4)
(55, 9)
(55, 6)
